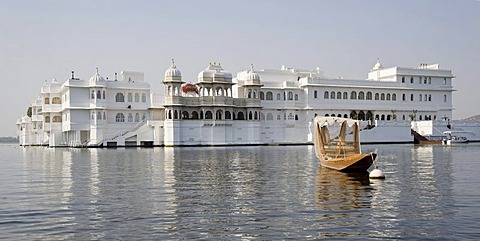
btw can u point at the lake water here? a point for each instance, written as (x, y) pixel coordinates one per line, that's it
(236, 193)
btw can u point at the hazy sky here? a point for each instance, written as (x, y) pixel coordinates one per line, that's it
(42, 40)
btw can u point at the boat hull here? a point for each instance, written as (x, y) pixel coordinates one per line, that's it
(353, 163)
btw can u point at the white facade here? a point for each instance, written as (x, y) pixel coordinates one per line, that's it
(255, 107)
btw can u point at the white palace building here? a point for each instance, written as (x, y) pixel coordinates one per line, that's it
(257, 107)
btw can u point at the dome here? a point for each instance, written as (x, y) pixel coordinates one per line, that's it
(252, 76)
(378, 65)
(214, 73)
(97, 78)
(173, 71)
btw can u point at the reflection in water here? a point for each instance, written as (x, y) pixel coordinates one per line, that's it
(342, 198)
(228, 193)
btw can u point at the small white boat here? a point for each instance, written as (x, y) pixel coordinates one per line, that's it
(454, 137)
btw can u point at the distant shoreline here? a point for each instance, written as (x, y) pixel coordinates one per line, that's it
(8, 139)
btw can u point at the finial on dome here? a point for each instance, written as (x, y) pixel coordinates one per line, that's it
(251, 68)
(173, 63)
(97, 70)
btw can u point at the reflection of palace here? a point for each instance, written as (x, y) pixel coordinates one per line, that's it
(256, 107)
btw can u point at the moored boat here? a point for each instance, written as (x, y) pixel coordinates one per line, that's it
(337, 144)
(454, 137)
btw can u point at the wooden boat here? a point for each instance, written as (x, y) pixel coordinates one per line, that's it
(337, 144)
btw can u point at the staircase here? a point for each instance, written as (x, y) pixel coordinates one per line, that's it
(124, 133)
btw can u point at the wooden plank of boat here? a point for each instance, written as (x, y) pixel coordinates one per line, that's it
(356, 162)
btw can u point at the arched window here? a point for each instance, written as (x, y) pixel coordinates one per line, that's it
(382, 96)
(99, 94)
(345, 95)
(339, 95)
(262, 95)
(104, 94)
(218, 115)
(169, 116)
(332, 95)
(250, 116)
(326, 95)
(269, 116)
(47, 119)
(420, 97)
(315, 95)
(47, 100)
(296, 96)
(137, 97)
(345, 116)
(57, 119)
(394, 97)
(175, 114)
(129, 97)
(56, 100)
(388, 96)
(130, 117)
(119, 97)
(411, 97)
(208, 115)
(403, 97)
(137, 117)
(353, 95)
(278, 117)
(429, 97)
(195, 115)
(240, 116)
(99, 115)
(377, 96)
(228, 115)
(369, 95)
(411, 80)
(119, 117)
(144, 98)
(403, 79)
(296, 117)
(290, 96)
(269, 95)
(255, 116)
(185, 115)
(92, 96)
(278, 96)
(361, 95)
(219, 91)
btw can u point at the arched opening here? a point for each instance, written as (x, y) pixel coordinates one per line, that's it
(185, 115)
(240, 116)
(208, 115)
(194, 115)
(228, 115)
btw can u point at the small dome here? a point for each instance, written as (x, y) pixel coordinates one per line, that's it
(97, 78)
(378, 65)
(173, 71)
(252, 76)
